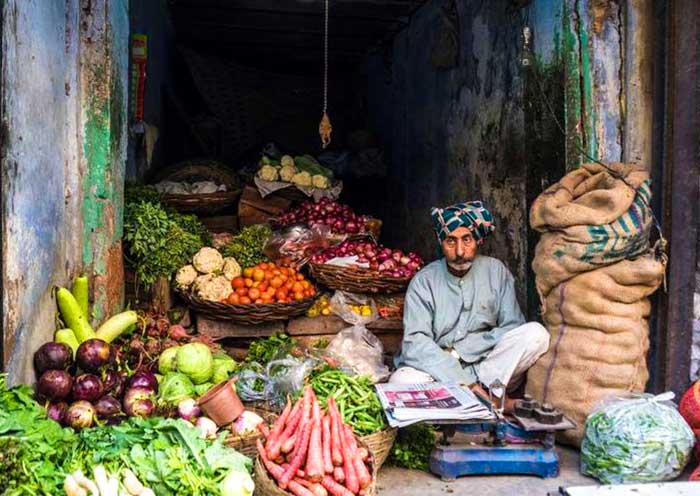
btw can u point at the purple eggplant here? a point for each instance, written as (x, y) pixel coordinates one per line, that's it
(114, 383)
(87, 387)
(94, 354)
(107, 407)
(137, 401)
(57, 411)
(80, 415)
(55, 385)
(144, 379)
(52, 356)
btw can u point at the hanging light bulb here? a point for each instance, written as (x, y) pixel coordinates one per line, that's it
(324, 127)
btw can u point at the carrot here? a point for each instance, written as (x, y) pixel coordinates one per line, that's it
(277, 473)
(326, 444)
(363, 476)
(314, 487)
(289, 444)
(274, 447)
(302, 443)
(314, 460)
(363, 453)
(338, 474)
(351, 481)
(278, 426)
(264, 430)
(336, 455)
(334, 488)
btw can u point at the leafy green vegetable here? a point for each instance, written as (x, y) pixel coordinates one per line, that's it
(264, 350)
(174, 388)
(136, 193)
(247, 246)
(413, 446)
(157, 242)
(196, 362)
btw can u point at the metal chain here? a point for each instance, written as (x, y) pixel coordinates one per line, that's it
(325, 60)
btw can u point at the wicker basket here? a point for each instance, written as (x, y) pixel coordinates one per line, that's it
(201, 170)
(245, 444)
(357, 280)
(380, 444)
(266, 485)
(247, 314)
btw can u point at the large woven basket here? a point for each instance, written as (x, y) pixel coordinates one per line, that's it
(265, 485)
(357, 280)
(380, 444)
(245, 443)
(247, 314)
(201, 170)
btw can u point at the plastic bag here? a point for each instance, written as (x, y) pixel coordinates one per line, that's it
(288, 375)
(294, 245)
(355, 309)
(357, 351)
(636, 438)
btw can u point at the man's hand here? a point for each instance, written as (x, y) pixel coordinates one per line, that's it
(480, 392)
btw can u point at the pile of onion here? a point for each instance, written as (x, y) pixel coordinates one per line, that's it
(386, 261)
(339, 218)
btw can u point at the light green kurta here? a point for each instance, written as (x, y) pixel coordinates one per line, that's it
(468, 314)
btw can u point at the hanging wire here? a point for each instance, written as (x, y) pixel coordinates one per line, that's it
(325, 128)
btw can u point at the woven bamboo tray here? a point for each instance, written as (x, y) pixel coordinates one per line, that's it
(265, 485)
(357, 280)
(245, 444)
(202, 170)
(380, 444)
(247, 314)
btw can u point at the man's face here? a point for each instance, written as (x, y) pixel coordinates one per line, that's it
(459, 249)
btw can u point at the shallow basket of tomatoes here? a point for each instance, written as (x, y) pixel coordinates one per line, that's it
(263, 293)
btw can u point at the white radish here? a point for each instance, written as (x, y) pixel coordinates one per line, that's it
(100, 475)
(113, 486)
(71, 487)
(147, 492)
(132, 483)
(86, 483)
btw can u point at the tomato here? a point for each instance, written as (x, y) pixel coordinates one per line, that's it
(300, 276)
(244, 300)
(284, 277)
(248, 283)
(312, 291)
(269, 276)
(254, 293)
(276, 272)
(238, 282)
(258, 301)
(281, 294)
(276, 282)
(242, 291)
(266, 299)
(297, 287)
(271, 292)
(298, 296)
(306, 284)
(258, 275)
(248, 272)
(288, 285)
(233, 299)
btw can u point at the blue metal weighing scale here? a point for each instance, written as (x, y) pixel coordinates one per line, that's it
(519, 444)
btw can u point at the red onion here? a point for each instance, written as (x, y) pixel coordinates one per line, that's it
(404, 260)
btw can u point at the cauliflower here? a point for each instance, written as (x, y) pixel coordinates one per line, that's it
(268, 173)
(320, 181)
(287, 173)
(208, 260)
(287, 161)
(231, 268)
(185, 277)
(213, 288)
(302, 179)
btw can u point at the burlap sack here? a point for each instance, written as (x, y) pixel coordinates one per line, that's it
(599, 338)
(589, 219)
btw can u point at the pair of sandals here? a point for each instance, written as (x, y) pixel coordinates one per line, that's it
(506, 406)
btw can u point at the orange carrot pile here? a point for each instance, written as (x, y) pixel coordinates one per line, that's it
(311, 453)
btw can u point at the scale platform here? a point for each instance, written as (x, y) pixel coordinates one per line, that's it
(520, 444)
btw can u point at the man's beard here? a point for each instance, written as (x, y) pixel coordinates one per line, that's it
(460, 264)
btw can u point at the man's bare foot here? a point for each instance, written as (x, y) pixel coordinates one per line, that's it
(508, 405)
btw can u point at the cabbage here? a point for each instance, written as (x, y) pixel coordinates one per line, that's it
(168, 360)
(195, 361)
(200, 389)
(175, 388)
(224, 367)
(237, 484)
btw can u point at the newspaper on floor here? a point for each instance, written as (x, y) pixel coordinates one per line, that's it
(406, 404)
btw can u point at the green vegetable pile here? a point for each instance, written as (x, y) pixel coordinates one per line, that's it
(635, 440)
(355, 396)
(247, 246)
(36, 453)
(413, 446)
(263, 351)
(159, 241)
(136, 193)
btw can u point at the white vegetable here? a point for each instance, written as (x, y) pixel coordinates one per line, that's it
(147, 492)
(208, 260)
(207, 427)
(113, 486)
(302, 179)
(237, 484)
(100, 475)
(320, 181)
(287, 173)
(132, 483)
(71, 487)
(268, 173)
(86, 483)
(185, 276)
(214, 289)
(287, 161)
(247, 422)
(231, 268)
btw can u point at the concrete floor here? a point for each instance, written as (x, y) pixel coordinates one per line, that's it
(401, 482)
